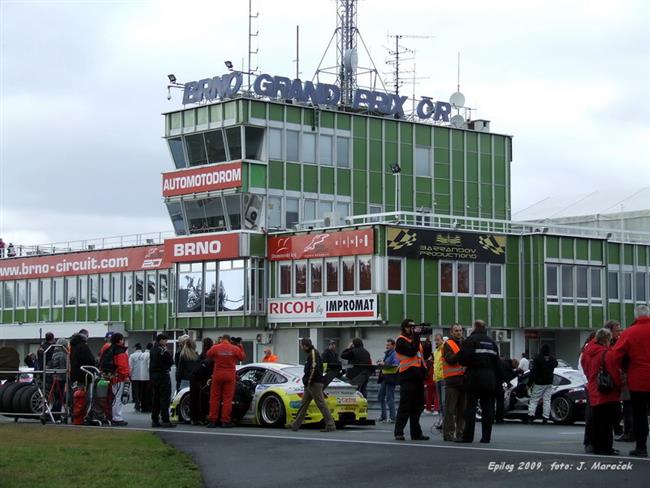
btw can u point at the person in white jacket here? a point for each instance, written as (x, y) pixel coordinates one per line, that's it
(139, 366)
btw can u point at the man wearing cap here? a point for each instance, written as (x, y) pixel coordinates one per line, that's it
(160, 364)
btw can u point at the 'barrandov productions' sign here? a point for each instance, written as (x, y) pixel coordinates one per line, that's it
(280, 87)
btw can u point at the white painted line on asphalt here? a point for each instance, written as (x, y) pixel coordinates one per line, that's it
(356, 441)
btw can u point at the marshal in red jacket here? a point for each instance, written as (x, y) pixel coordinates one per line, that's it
(634, 344)
(592, 359)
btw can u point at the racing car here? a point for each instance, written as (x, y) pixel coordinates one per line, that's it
(270, 394)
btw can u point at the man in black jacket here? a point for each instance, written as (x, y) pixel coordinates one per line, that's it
(411, 379)
(480, 355)
(359, 358)
(508, 373)
(313, 381)
(331, 359)
(541, 375)
(80, 355)
(160, 363)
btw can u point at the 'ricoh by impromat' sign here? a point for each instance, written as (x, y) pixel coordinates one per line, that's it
(225, 86)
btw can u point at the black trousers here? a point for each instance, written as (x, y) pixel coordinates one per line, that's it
(628, 418)
(640, 400)
(411, 404)
(499, 403)
(145, 399)
(161, 392)
(138, 389)
(604, 416)
(486, 397)
(196, 409)
(588, 439)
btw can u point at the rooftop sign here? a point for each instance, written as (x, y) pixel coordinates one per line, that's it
(280, 87)
(205, 178)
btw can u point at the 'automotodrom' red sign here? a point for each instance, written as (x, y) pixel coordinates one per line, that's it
(326, 244)
(203, 247)
(202, 179)
(84, 262)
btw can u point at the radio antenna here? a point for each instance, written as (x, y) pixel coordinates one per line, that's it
(250, 39)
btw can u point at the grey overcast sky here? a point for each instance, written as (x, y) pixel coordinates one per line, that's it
(83, 84)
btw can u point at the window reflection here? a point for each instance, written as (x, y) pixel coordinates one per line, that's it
(347, 273)
(83, 289)
(195, 150)
(365, 274)
(163, 290)
(316, 273)
(233, 206)
(210, 288)
(116, 288)
(234, 142)
(176, 214)
(463, 278)
(127, 288)
(332, 268)
(93, 288)
(301, 278)
(71, 290)
(151, 286)
(46, 290)
(178, 155)
(190, 287)
(104, 288)
(285, 279)
(9, 294)
(216, 148)
(139, 287)
(325, 151)
(20, 294)
(57, 284)
(205, 215)
(254, 142)
(293, 138)
(231, 286)
(33, 293)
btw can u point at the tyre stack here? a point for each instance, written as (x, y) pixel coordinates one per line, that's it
(20, 400)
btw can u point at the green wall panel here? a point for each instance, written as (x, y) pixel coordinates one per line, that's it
(310, 178)
(68, 315)
(413, 276)
(613, 253)
(497, 316)
(552, 247)
(406, 132)
(448, 310)
(376, 185)
(568, 316)
(406, 194)
(19, 316)
(413, 309)
(103, 312)
(582, 317)
(553, 315)
(359, 127)
(293, 178)
(596, 248)
(423, 200)
(430, 276)
(31, 315)
(258, 176)
(276, 175)
(359, 186)
(276, 112)
(628, 254)
(582, 249)
(395, 308)
(343, 183)
(423, 184)
(57, 314)
(486, 169)
(423, 135)
(258, 110)
(343, 122)
(431, 310)
(44, 315)
(457, 140)
(359, 154)
(441, 137)
(390, 130)
(327, 180)
(137, 322)
(597, 317)
(566, 246)
(93, 313)
(458, 200)
(465, 311)
(293, 115)
(327, 119)
(481, 309)
(406, 158)
(376, 163)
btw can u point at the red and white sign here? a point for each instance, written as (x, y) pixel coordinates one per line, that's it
(337, 308)
(202, 179)
(327, 244)
(84, 262)
(203, 247)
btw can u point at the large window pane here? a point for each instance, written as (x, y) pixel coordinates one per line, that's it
(309, 210)
(581, 281)
(234, 142)
(495, 279)
(316, 277)
(254, 142)
(343, 210)
(93, 288)
(325, 150)
(293, 138)
(551, 280)
(324, 208)
(627, 286)
(46, 291)
(178, 155)
(285, 279)
(275, 144)
(640, 286)
(151, 287)
(274, 207)
(332, 277)
(70, 290)
(612, 285)
(446, 277)
(195, 150)
(422, 164)
(139, 287)
(190, 287)
(365, 274)
(300, 274)
(21, 292)
(104, 288)
(57, 285)
(176, 216)
(348, 274)
(480, 279)
(233, 206)
(308, 147)
(596, 291)
(116, 288)
(206, 215)
(9, 294)
(291, 214)
(32, 293)
(343, 152)
(216, 147)
(395, 274)
(463, 278)
(230, 291)
(163, 287)
(567, 282)
(83, 290)
(210, 288)
(127, 288)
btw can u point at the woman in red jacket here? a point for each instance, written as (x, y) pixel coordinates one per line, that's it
(605, 407)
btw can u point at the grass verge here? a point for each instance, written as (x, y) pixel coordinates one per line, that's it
(58, 456)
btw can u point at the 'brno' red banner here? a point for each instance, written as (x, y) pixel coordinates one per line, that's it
(202, 179)
(326, 244)
(83, 263)
(202, 247)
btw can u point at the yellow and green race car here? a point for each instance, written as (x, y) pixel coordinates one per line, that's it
(270, 394)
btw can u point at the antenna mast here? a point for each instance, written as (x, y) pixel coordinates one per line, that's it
(346, 32)
(250, 39)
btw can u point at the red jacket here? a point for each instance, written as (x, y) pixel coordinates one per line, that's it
(635, 344)
(592, 359)
(225, 356)
(122, 371)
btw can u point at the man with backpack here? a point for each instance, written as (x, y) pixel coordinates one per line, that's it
(114, 364)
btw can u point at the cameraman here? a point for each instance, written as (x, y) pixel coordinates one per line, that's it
(411, 376)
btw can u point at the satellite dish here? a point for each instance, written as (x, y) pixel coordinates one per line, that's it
(350, 60)
(457, 100)
(457, 121)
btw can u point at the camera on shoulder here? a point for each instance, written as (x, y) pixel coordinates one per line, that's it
(423, 328)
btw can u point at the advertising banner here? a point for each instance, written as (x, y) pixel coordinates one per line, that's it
(202, 247)
(327, 244)
(83, 263)
(452, 245)
(202, 179)
(323, 309)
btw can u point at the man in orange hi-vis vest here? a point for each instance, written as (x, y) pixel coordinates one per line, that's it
(412, 370)
(454, 420)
